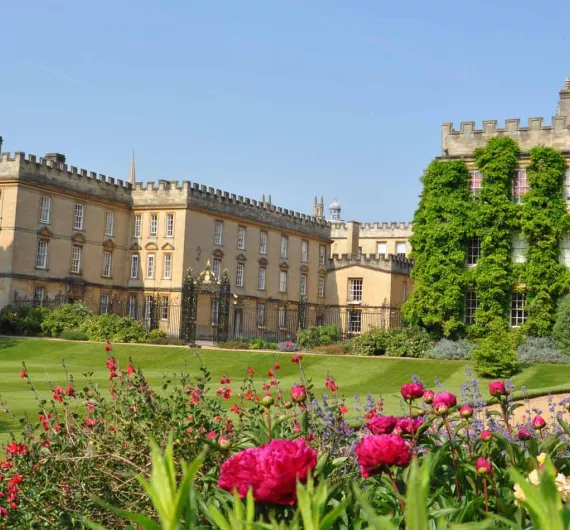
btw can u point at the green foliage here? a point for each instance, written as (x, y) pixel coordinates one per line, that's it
(543, 220)
(114, 328)
(22, 320)
(73, 334)
(495, 356)
(561, 329)
(373, 342)
(451, 349)
(405, 342)
(438, 244)
(318, 336)
(493, 220)
(65, 316)
(541, 350)
(156, 334)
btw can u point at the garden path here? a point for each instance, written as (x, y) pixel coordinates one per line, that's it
(541, 403)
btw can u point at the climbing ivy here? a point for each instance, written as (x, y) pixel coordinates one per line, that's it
(493, 220)
(543, 221)
(438, 244)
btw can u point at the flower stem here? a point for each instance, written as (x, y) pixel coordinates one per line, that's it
(453, 459)
(395, 486)
(486, 495)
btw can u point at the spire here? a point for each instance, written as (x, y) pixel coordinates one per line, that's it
(564, 101)
(132, 172)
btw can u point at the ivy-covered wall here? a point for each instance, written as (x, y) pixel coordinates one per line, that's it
(449, 215)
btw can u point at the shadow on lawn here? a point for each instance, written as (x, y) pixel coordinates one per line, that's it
(9, 341)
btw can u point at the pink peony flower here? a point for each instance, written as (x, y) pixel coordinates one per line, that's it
(408, 426)
(466, 411)
(538, 423)
(298, 393)
(271, 471)
(375, 452)
(443, 401)
(524, 434)
(411, 391)
(428, 396)
(483, 466)
(382, 424)
(497, 388)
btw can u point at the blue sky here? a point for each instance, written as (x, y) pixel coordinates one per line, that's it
(291, 98)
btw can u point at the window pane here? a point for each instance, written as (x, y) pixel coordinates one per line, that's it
(355, 290)
(167, 266)
(241, 238)
(261, 278)
(239, 275)
(473, 250)
(169, 225)
(137, 226)
(150, 266)
(78, 217)
(109, 223)
(382, 248)
(134, 266)
(45, 209)
(218, 228)
(153, 224)
(284, 247)
(475, 181)
(263, 243)
(76, 259)
(401, 248)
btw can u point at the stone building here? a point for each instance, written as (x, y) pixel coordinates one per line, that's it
(69, 234)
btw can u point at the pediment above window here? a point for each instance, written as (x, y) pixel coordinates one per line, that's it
(322, 272)
(283, 266)
(136, 247)
(167, 246)
(304, 269)
(241, 258)
(263, 262)
(151, 246)
(109, 245)
(78, 238)
(218, 253)
(44, 233)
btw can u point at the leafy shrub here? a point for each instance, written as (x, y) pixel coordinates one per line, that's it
(156, 334)
(318, 336)
(541, 350)
(495, 356)
(74, 334)
(22, 320)
(451, 349)
(561, 329)
(373, 342)
(167, 341)
(236, 344)
(288, 346)
(260, 344)
(65, 316)
(333, 349)
(114, 328)
(408, 342)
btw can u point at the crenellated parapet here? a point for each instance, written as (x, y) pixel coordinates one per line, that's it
(386, 229)
(57, 174)
(391, 263)
(463, 141)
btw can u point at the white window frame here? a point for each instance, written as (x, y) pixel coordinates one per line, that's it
(519, 190)
(45, 209)
(303, 285)
(263, 237)
(218, 233)
(241, 238)
(240, 274)
(304, 251)
(109, 223)
(519, 248)
(284, 247)
(282, 281)
(135, 264)
(167, 266)
(401, 248)
(137, 226)
(322, 255)
(41, 254)
(355, 322)
(518, 314)
(261, 278)
(148, 308)
(104, 303)
(321, 287)
(164, 307)
(473, 251)
(471, 305)
(169, 225)
(39, 295)
(382, 248)
(153, 225)
(76, 251)
(107, 263)
(132, 307)
(475, 182)
(78, 216)
(150, 266)
(355, 290)
(217, 267)
(565, 250)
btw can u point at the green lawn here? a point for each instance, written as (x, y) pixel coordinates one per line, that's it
(354, 375)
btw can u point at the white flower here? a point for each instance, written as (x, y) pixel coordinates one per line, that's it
(519, 494)
(533, 477)
(541, 458)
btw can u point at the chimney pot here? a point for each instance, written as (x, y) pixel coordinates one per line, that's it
(55, 157)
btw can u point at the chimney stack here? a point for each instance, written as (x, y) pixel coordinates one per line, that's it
(1, 144)
(58, 158)
(564, 102)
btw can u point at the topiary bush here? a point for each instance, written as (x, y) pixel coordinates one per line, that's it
(22, 320)
(561, 329)
(73, 334)
(451, 349)
(318, 336)
(541, 350)
(114, 328)
(495, 356)
(65, 316)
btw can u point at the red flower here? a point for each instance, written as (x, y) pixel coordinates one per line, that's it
(524, 434)
(277, 366)
(3, 511)
(343, 409)
(69, 391)
(382, 424)
(89, 422)
(251, 371)
(271, 471)
(90, 406)
(211, 435)
(58, 394)
(428, 396)
(248, 395)
(331, 385)
(23, 374)
(112, 364)
(225, 380)
(408, 425)
(235, 409)
(497, 388)
(375, 452)
(466, 411)
(108, 347)
(411, 391)
(486, 436)
(271, 373)
(538, 423)
(483, 466)
(297, 358)
(298, 394)
(14, 448)
(130, 369)
(443, 401)
(227, 393)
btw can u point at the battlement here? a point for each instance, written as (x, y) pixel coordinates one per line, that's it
(393, 263)
(464, 141)
(50, 172)
(381, 229)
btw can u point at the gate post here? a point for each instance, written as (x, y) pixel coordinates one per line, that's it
(189, 310)
(223, 308)
(303, 310)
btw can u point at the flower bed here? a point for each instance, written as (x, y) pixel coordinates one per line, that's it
(88, 441)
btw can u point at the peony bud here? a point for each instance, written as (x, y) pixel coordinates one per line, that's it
(442, 410)
(483, 466)
(486, 436)
(466, 411)
(497, 388)
(267, 400)
(444, 401)
(288, 404)
(224, 442)
(428, 396)
(524, 434)
(411, 391)
(298, 393)
(538, 423)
